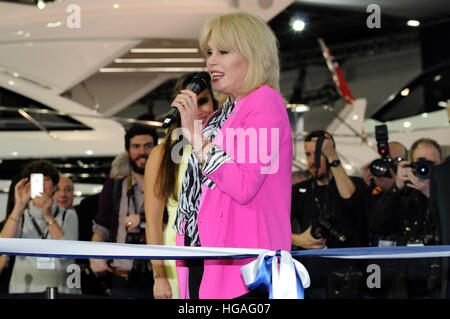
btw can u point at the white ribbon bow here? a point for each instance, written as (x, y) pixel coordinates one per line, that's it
(284, 280)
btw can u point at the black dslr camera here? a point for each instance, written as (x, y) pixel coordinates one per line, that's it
(381, 167)
(323, 228)
(422, 168)
(137, 235)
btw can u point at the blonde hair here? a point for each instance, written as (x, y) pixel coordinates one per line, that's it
(253, 39)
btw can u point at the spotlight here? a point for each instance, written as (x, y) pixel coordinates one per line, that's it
(298, 25)
(405, 92)
(413, 23)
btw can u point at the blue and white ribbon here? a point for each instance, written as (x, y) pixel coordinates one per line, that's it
(288, 282)
(104, 250)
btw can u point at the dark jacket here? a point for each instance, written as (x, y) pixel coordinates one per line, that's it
(109, 205)
(404, 216)
(440, 203)
(337, 278)
(349, 216)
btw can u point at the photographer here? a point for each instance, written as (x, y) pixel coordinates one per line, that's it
(329, 210)
(380, 175)
(403, 214)
(121, 219)
(39, 217)
(379, 182)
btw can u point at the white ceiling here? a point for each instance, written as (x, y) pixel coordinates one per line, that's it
(62, 57)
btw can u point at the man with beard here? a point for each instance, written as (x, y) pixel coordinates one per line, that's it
(329, 210)
(121, 219)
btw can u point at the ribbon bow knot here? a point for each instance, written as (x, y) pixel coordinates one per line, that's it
(288, 282)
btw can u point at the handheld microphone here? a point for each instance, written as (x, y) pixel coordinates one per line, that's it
(198, 84)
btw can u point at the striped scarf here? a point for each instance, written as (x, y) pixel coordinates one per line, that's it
(191, 189)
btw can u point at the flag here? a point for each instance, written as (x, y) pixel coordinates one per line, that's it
(336, 71)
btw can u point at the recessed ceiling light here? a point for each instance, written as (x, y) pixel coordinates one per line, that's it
(405, 92)
(407, 124)
(89, 152)
(298, 25)
(116, 6)
(413, 23)
(41, 4)
(54, 24)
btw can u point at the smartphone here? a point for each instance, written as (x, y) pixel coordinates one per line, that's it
(37, 184)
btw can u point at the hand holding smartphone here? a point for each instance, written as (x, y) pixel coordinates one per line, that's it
(37, 184)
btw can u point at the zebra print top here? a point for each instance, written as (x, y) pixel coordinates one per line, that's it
(191, 189)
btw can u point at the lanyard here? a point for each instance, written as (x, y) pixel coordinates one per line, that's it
(130, 195)
(36, 226)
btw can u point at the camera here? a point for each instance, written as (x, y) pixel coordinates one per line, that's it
(137, 235)
(422, 168)
(322, 227)
(381, 167)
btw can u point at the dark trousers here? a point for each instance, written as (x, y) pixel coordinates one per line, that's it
(195, 267)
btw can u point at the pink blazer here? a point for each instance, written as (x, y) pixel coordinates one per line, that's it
(250, 205)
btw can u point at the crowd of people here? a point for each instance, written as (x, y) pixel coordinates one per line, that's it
(334, 210)
(222, 177)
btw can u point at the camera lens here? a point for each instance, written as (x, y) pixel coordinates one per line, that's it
(423, 170)
(380, 168)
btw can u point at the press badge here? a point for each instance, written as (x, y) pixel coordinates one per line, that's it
(386, 243)
(46, 263)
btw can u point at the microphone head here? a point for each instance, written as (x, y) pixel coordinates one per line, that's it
(199, 82)
(202, 75)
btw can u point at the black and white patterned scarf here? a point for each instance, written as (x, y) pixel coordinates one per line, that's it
(191, 189)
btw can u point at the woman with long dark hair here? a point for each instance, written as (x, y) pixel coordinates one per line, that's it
(163, 175)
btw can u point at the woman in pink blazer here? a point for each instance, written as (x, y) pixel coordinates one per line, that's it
(237, 188)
